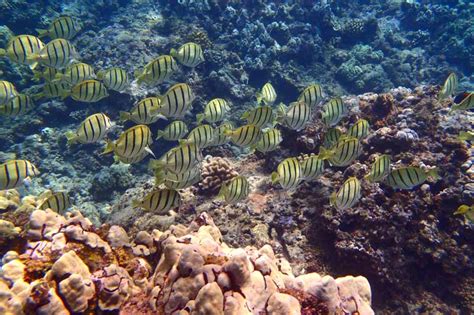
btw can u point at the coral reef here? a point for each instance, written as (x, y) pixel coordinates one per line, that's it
(215, 172)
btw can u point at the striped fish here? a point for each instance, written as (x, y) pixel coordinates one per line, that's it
(76, 73)
(267, 95)
(332, 137)
(114, 78)
(270, 140)
(202, 136)
(334, 111)
(131, 143)
(54, 89)
(21, 48)
(463, 101)
(311, 95)
(449, 87)
(380, 169)
(92, 129)
(288, 173)
(189, 54)
(7, 91)
(219, 137)
(311, 167)
(48, 74)
(296, 116)
(214, 111)
(174, 131)
(237, 189)
(17, 105)
(359, 130)
(409, 177)
(131, 160)
(144, 112)
(343, 153)
(57, 202)
(348, 195)
(88, 91)
(178, 160)
(158, 70)
(159, 201)
(259, 116)
(57, 54)
(178, 181)
(13, 173)
(245, 136)
(177, 101)
(62, 27)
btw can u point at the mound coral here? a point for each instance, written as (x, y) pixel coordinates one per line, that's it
(215, 172)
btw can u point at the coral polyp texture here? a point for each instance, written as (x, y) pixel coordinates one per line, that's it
(66, 265)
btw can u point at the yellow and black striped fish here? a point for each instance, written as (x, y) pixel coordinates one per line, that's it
(311, 167)
(311, 95)
(202, 136)
(174, 131)
(245, 136)
(178, 181)
(237, 189)
(7, 91)
(259, 116)
(76, 73)
(270, 140)
(57, 54)
(267, 95)
(449, 87)
(214, 111)
(54, 89)
(177, 101)
(57, 202)
(463, 101)
(114, 78)
(288, 173)
(62, 27)
(159, 201)
(331, 137)
(131, 143)
(360, 129)
(48, 74)
(13, 173)
(380, 168)
(334, 111)
(144, 112)
(296, 116)
(178, 160)
(409, 177)
(219, 137)
(348, 195)
(131, 160)
(92, 129)
(88, 91)
(158, 70)
(189, 54)
(21, 48)
(17, 105)
(343, 153)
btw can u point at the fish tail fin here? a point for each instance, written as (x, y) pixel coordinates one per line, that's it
(156, 165)
(42, 32)
(173, 52)
(71, 137)
(38, 96)
(58, 77)
(324, 153)
(159, 177)
(199, 118)
(109, 148)
(65, 94)
(136, 203)
(124, 116)
(332, 199)
(100, 74)
(140, 76)
(222, 192)
(368, 177)
(461, 209)
(183, 141)
(245, 115)
(275, 177)
(259, 97)
(434, 173)
(227, 132)
(33, 65)
(3, 52)
(160, 134)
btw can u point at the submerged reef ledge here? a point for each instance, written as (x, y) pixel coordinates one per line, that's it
(64, 264)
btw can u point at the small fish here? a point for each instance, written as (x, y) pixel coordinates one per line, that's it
(267, 95)
(57, 202)
(466, 211)
(177, 101)
(311, 95)
(449, 87)
(259, 116)
(237, 189)
(466, 136)
(17, 105)
(244, 136)
(202, 136)
(296, 116)
(178, 160)
(53, 90)
(159, 201)
(311, 167)
(409, 177)
(189, 54)
(76, 73)
(214, 111)
(131, 160)
(158, 70)
(343, 153)
(21, 48)
(178, 181)
(131, 143)
(219, 137)
(13, 173)
(331, 137)
(88, 91)
(92, 129)
(62, 27)
(48, 74)
(334, 111)
(114, 78)
(145, 112)
(7, 91)
(174, 131)
(380, 169)
(270, 140)
(288, 173)
(58, 53)
(359, 130)
(463, 101)
(347, 196)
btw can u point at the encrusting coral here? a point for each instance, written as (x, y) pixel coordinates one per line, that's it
(215, 172)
